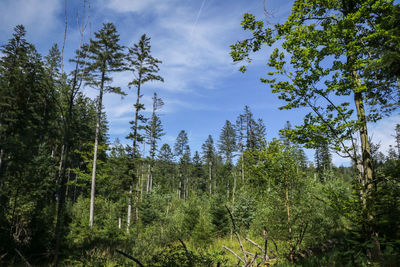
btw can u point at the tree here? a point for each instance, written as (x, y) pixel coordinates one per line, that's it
(255, 130)
(325, 52)
(182, 151)
(397, 139)
(145, 68)
(154, 131)
(323, 159)
(197, 173)
(209, 157)
(28, 134)
(227, 141)
(104, 55)
(249, 133)
(166, 165)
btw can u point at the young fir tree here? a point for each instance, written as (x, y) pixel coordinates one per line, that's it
(197, 173)
(154, 131)
(323, 160)
(103, 55)
(182, 151)
(209, 158)
(166, 166)
(255, 130)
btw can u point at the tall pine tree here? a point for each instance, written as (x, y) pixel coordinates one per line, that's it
(103, 55)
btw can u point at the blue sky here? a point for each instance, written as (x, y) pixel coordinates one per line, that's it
(202, 87)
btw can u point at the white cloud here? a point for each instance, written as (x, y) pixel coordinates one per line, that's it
(136, 6)
(383, 132)
(38, 16)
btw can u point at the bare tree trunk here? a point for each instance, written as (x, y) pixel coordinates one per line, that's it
(128, 219)
(151, 178)
(137, 200)
(233, 197)
(288, 218)
(179, 188)
(1, 156)
(141, 182)
(210, 176)
(68, 178)
(187, 188)
(96, 145)
(242, 168)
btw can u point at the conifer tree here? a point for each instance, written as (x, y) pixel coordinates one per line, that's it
(144, 68)
(28, 119)
(104, 55)
(209, 157)
(227, 142)
(323, 159)
(182, 151)
(154, 131)
(197, 172)
(166, 165)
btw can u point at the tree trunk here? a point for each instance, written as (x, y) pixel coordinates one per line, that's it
(288, 218)
(368, 186)
(209, 175)
(137, 201)
(128, 219)
(187, 188)
(242, 168)
(96, 145)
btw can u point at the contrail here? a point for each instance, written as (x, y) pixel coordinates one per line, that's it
(198, 16)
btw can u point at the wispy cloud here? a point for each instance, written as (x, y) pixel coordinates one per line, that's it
(39, 16)
(124, 6)
(382, 133)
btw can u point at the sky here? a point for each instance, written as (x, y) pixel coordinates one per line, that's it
(202, 87)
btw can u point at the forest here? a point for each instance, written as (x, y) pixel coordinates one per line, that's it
(71, 196)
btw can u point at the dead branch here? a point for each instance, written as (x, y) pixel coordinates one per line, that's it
(186, 251)
(252, 260)
(236, 233)
(236, 255)
(129, 257)
(254, 243)
(265, 256)
(23, 258)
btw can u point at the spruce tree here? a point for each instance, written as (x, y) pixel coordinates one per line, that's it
(227, 142)
(182, 151)
(144, 68)
(209, 157)
(103, 55)
(154, 128)
(166, 165)
(154, 131)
